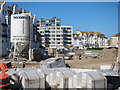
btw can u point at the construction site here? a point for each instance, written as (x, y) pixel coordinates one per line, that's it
(83, 71)
(30, 67)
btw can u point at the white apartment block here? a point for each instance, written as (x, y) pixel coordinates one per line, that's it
(53, 34)
(85, 40)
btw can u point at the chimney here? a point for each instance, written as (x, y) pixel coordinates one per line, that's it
(54, 17)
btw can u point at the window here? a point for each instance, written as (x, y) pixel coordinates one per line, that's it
(53, 24)
(75, 38)
(41, 32)
(57, 21)
(68, 42)
(52, 38)
(58, 24)
(47, 33)
(42, 25)
(58, 42)
(68, 28)
(57, 31)
(52, 31)
(47, 21)
(58, 38)
(52, 20)
(69, 39)
(37, 21)
(58, 35)
(42, 21)
(69, 31)
(52, 42)
(46, 24)
(52, 28)
(69, 35)
(53, 35)
(47, 28)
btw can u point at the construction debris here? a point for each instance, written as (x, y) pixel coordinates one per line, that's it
(53, 63)
(64, 78)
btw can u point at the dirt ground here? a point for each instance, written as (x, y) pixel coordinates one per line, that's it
(105, 57)
(81, 64)
(89, 63)
(36, 65)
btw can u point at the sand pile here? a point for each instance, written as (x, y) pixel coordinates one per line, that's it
(108, 53)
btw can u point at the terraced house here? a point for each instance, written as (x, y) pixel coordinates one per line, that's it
(84, 39)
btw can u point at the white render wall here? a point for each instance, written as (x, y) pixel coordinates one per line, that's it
(114, 42)
(93, 41)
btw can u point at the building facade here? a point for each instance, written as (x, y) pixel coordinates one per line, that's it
(4, 29)
(53, 34)
(85, 40)
(113, 42)
(5, 15)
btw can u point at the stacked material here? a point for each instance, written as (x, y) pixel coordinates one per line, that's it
(31, 78)
(66, 78)
(53, 63)
(60, 78)
(91, 79)
(113, 78)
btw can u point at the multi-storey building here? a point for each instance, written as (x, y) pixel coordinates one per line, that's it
(85, 39)
(5, 15)
(53, 34)
(3, 28)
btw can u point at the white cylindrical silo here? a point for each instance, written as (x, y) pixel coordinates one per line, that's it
(20, 28)
(20, 31)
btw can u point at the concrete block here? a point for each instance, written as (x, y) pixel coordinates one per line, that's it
(53, 63)
(92, 79)
(60, 77)
(31, 78)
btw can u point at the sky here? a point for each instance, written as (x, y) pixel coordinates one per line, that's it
(84, 16)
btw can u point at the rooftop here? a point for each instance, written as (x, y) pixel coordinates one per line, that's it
(89, 32)
(116, 35)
